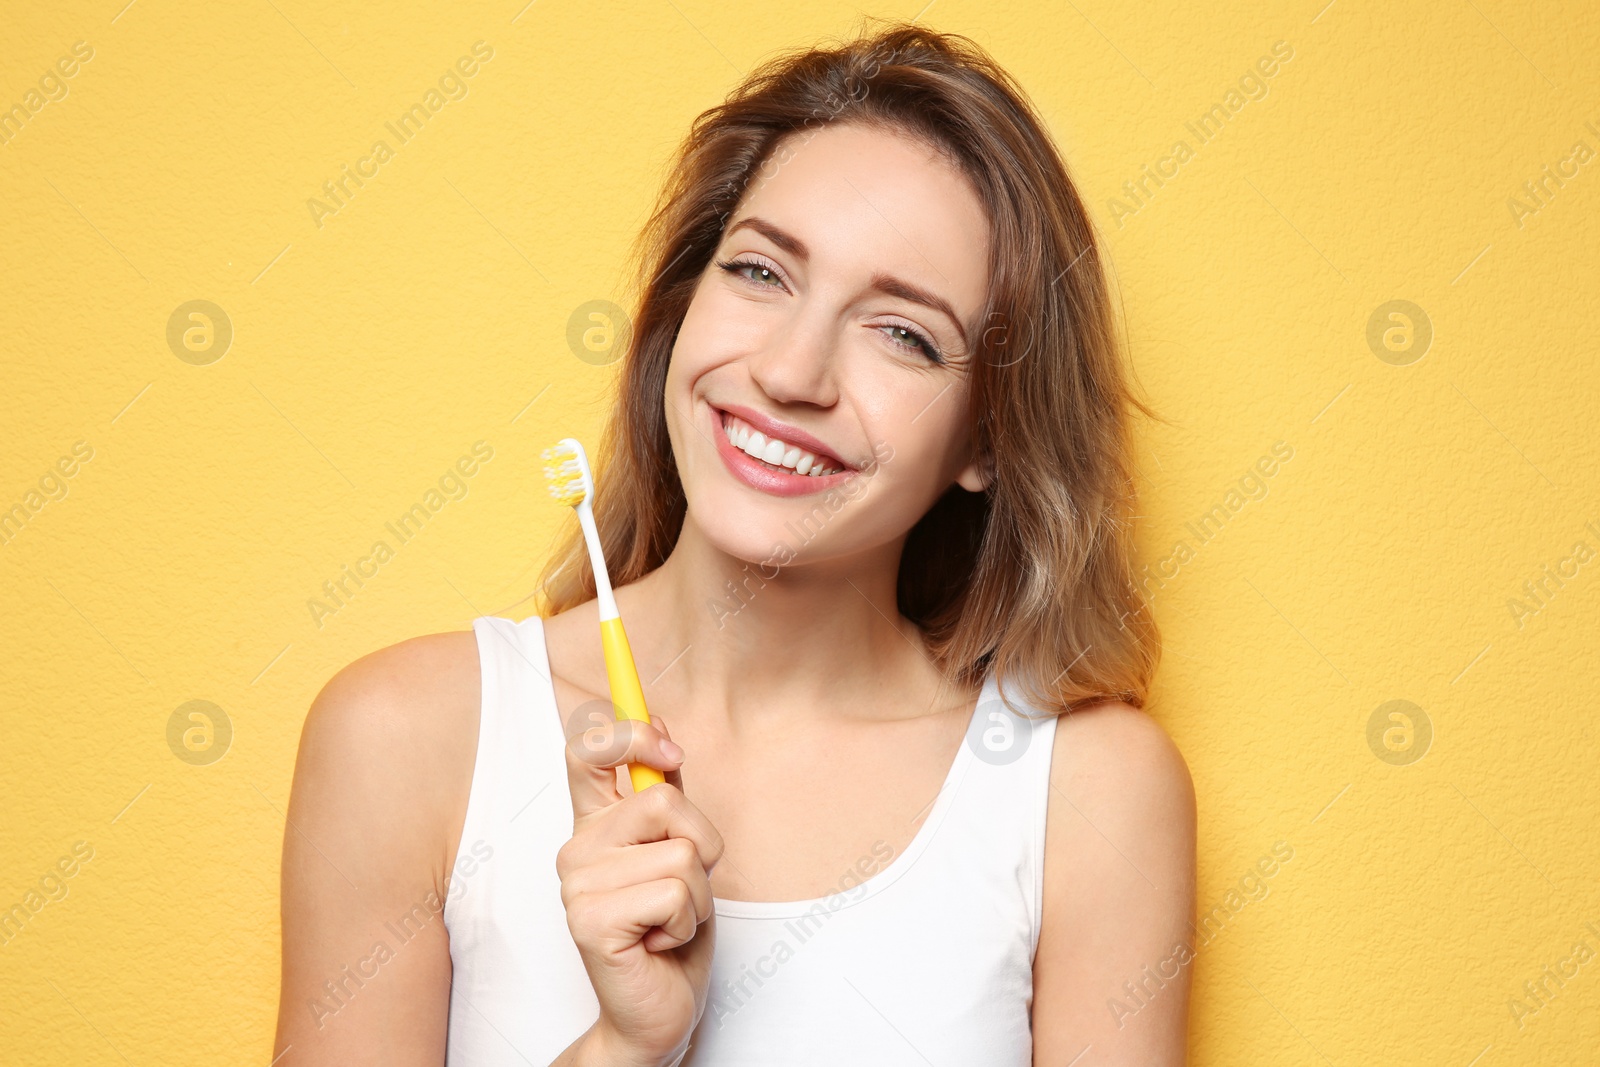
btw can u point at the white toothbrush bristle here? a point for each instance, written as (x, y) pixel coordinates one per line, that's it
(565, 473)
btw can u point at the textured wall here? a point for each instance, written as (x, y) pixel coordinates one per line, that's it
(187, 485)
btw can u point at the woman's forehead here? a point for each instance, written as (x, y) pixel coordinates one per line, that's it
(867, 199)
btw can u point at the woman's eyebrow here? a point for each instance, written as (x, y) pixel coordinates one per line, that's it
(886, 284)
(889, 285)
(777, 235)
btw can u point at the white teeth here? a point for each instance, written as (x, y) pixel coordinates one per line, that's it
(774, 450)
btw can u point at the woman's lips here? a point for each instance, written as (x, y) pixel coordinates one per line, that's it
(758, 475)
(754, 420)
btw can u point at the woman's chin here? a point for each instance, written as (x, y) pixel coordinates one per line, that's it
(757, 542)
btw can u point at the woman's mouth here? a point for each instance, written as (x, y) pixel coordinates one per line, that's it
(772, 464)
(775, 452)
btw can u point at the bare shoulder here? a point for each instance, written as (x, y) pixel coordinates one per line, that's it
(405, 679)
(398, 723)
(1117, 756)
(380, 791)
(1122, 803)
(1119, 890)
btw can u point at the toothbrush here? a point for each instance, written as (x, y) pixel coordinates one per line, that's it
(571, 482)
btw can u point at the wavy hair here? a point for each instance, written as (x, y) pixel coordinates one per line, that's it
(1031, 578)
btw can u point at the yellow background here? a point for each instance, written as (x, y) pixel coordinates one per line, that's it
(428, 314)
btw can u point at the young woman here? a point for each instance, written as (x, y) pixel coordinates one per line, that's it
(914, 811)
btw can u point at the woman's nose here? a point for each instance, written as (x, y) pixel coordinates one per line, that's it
(797, 362)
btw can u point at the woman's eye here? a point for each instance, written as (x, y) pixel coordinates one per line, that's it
(765, 277)
(765, 274)
(914, 340)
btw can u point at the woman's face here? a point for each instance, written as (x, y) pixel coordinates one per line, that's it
(833, 320)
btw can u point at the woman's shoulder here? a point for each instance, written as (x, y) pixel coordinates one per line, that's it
(417, 689)
(1121, 807)
(1119, 768)
(380, 793)
(1119, 879)
(1114, 744)
(394, 731)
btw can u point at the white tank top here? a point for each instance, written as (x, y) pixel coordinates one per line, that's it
(925, 957)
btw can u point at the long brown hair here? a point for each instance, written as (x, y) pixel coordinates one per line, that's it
(1031, 578)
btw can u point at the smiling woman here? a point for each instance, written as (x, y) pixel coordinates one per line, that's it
(874, 357)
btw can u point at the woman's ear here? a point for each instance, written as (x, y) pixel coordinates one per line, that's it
(976, 476)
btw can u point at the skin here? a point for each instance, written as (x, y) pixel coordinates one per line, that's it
(789, 773)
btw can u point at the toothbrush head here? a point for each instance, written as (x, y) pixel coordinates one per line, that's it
(566, 472)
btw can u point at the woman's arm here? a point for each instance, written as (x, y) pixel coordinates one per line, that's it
(380, 792)
(1116, 942)
(375, 818)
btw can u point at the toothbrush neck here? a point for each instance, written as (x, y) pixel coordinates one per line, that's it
(597, 562)
(607, 600)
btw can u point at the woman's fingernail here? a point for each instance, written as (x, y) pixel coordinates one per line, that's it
(670, 750)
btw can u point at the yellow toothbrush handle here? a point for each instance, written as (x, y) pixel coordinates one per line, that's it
(626, 693)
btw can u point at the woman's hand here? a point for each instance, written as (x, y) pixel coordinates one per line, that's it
(635, 883)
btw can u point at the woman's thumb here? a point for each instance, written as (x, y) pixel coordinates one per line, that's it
(674, 776)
